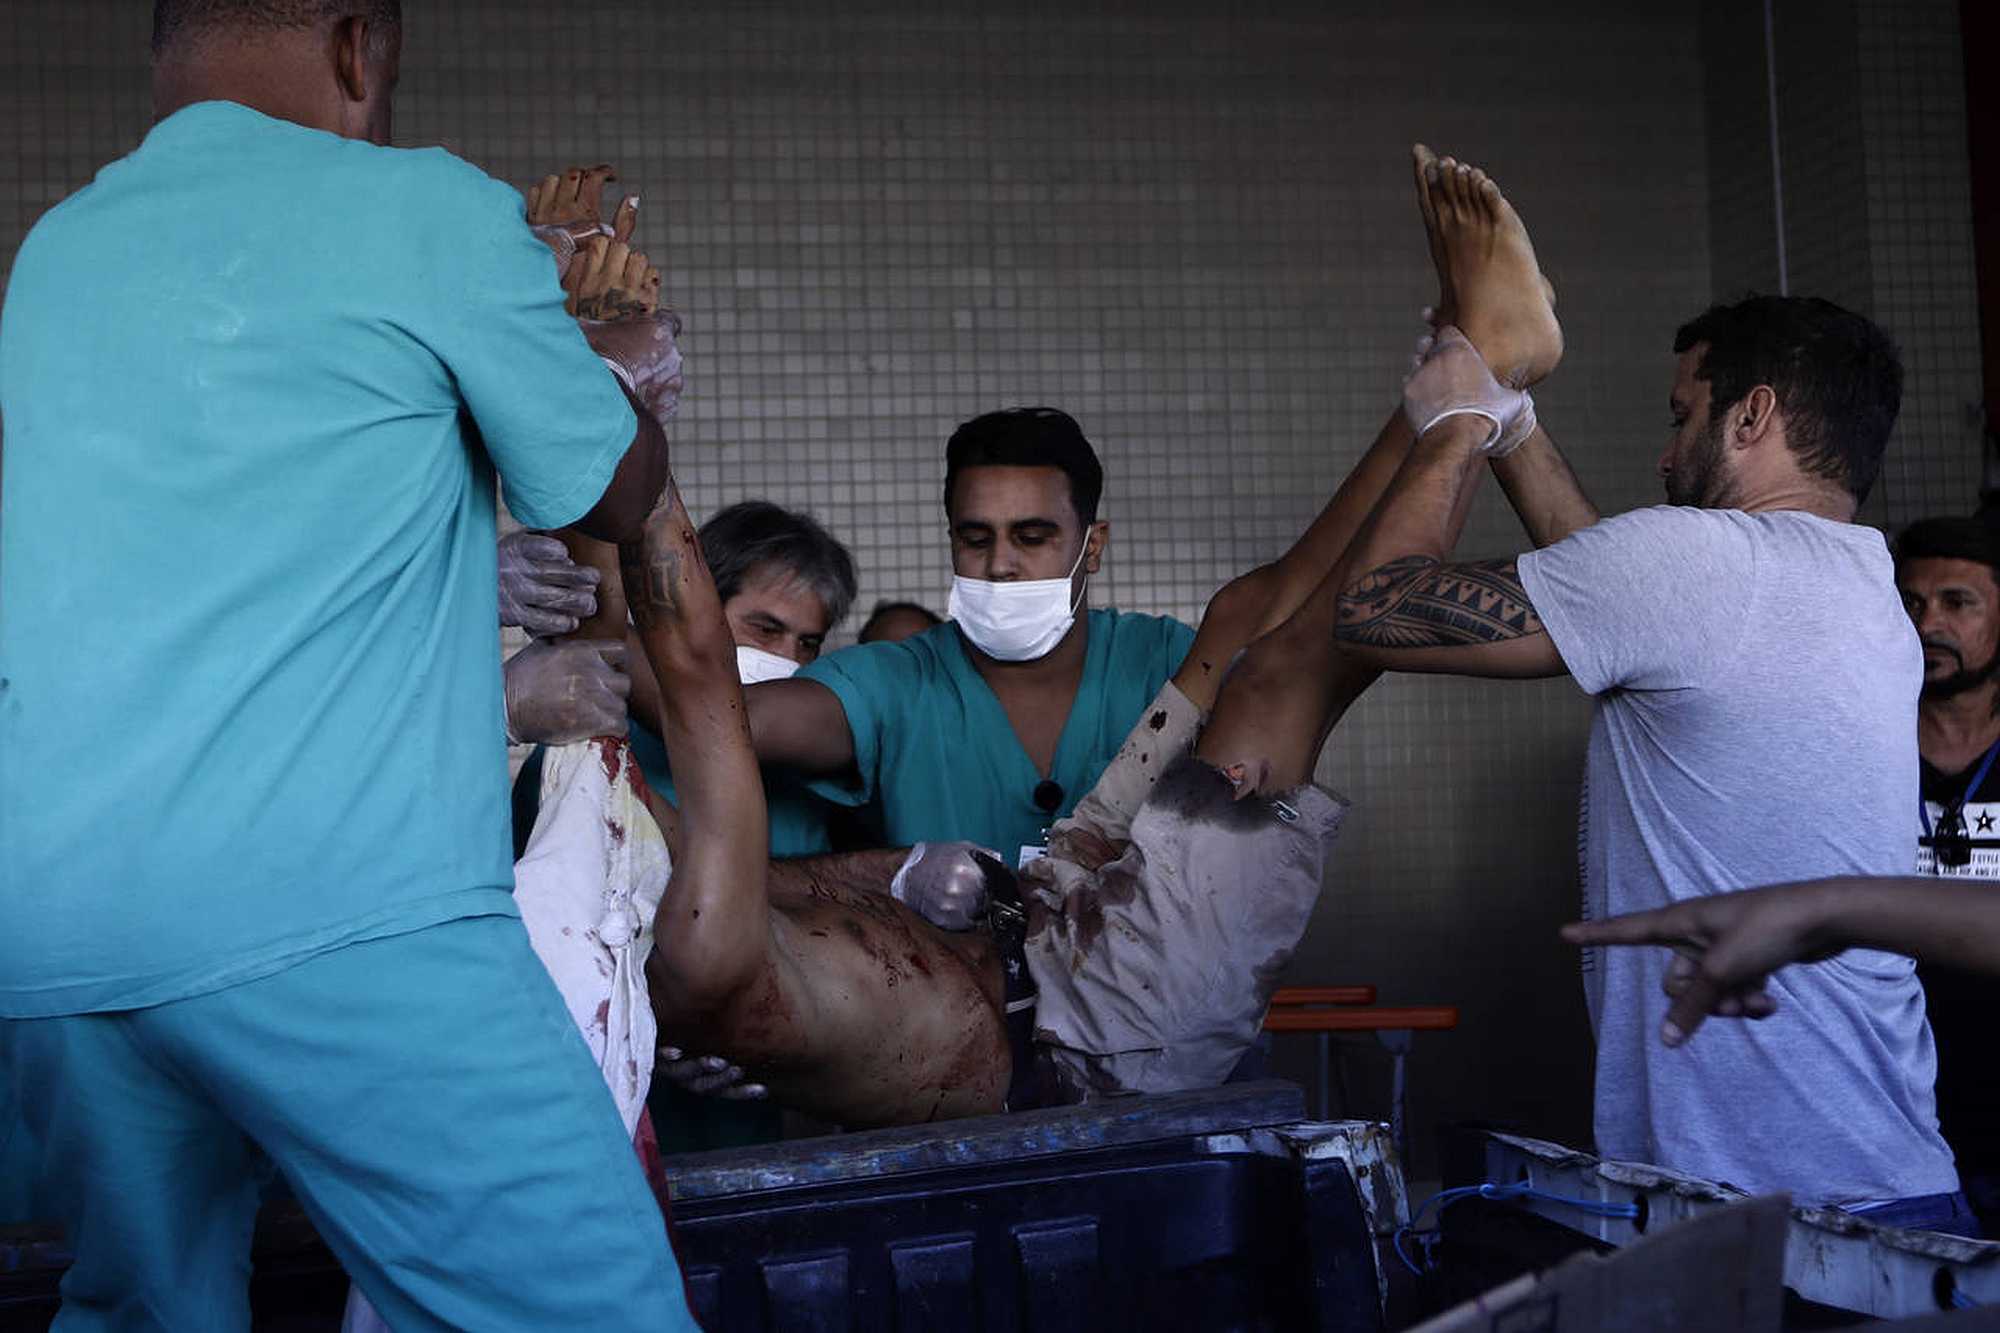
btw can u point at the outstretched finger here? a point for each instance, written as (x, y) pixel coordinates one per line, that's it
(1665, 925)
(627, 220)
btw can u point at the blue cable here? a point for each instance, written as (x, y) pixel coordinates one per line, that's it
(1445, 1198)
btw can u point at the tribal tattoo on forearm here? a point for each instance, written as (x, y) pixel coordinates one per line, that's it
(1420, 602)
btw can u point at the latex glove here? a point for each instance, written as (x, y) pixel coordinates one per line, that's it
(645, 357)
(542, 590)
(1450, 379)
(943, 883)
(563, 692)
(707, 1076)
(563, 240)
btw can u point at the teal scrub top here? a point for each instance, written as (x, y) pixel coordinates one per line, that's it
(797, 819)
(934, 747)
(256, 381)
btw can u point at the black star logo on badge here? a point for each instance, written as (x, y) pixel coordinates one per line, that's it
(1985, 822)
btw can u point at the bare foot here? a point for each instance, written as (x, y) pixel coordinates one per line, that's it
(1490, 284)
(571, 199)
(611, 281)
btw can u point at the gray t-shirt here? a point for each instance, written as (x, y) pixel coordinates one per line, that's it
(1756, 681)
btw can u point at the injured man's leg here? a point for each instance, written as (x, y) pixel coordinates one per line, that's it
(1173, 897)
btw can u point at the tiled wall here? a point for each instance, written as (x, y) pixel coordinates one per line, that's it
(1191, 226)
(1877, 204)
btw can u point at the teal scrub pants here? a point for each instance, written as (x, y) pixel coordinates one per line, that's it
(428, 1100)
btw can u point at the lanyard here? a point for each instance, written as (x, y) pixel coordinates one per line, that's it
(1985, 767)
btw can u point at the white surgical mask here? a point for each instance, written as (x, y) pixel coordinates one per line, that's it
(1018, 621)
(754, 664)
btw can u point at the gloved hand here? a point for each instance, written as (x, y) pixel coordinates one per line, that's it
(563, 692)
(943, 883)
(542, 590)
(707, 1076)
(1449, 379)
(643, 355)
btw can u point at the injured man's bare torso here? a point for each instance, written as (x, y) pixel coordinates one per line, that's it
(1151, 969)
(866, 1013)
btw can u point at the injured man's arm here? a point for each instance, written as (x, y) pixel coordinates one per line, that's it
(841, 1001)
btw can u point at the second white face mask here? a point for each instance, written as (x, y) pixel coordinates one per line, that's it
(754, 665)
(1018, 621)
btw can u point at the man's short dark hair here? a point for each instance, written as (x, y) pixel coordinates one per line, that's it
(887, 607)
(178, 21)
(1028, 437)
(1973, 539)
(738, 539)
(1837, 377)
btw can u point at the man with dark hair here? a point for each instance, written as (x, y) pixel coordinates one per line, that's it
(179, 26)
(1948, 570)
(893, 622)
(1835, 378)
(280, 926)
(987, 728)
(1755, 681)
(1028, 437)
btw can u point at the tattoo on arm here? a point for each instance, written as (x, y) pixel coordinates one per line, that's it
(613, 306)
(650, 582)
(1419, 602)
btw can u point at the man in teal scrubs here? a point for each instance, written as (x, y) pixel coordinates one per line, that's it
(254, 876)
(991, 726)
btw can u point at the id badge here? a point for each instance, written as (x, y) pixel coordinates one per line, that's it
(1029, 855)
